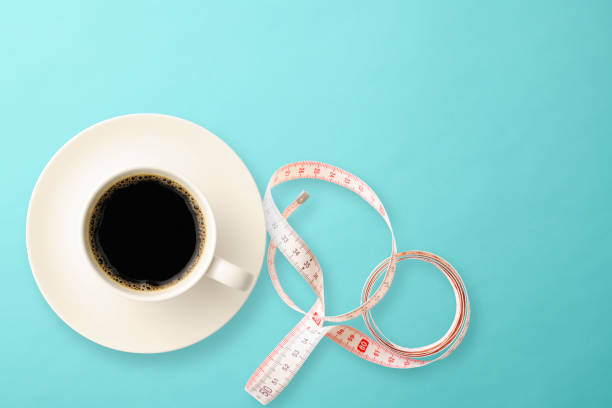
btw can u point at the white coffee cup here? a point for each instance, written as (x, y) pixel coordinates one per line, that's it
(207, 265)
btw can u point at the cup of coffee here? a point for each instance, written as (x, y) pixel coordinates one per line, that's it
(151, 235)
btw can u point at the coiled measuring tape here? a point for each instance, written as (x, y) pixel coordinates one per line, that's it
(281, 365)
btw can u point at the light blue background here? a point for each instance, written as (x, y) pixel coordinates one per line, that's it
(485, 127)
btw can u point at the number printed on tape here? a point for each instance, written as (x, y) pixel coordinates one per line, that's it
(281, 365)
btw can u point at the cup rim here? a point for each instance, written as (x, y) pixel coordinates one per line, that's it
(202, 263)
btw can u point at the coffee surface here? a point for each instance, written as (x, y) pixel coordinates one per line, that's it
(146, 231)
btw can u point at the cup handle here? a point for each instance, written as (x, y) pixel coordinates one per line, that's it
(229, 274)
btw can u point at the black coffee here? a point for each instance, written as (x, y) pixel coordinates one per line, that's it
(146, 231)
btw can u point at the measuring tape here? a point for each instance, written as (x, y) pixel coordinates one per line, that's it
(281, 365)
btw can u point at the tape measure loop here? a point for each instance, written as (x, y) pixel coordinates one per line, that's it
(461, 300)
(297, 252)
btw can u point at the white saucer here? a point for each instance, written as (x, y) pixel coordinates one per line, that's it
(66, 277)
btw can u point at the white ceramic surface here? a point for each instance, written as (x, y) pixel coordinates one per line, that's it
(208, 263)
(67, 278)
